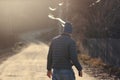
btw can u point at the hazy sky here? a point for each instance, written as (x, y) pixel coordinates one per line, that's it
(19, 14)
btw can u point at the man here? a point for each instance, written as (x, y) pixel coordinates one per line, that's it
(62, 56)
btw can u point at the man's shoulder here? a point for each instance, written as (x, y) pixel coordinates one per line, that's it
(56, 37)
(66, 38)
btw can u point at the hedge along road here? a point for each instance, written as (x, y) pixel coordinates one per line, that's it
(30, 62)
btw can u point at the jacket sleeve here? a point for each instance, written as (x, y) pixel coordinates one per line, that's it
(73, 56)
(49, 58)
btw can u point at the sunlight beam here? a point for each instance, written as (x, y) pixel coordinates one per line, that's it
(59, 19)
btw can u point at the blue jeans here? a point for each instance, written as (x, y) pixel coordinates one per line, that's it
(63, 74)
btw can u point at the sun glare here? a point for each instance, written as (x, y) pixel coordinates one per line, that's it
(22, 13)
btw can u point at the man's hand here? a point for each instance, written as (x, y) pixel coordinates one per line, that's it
(80, 73)
(49, 74)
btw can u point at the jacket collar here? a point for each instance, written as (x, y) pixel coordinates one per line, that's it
(65, 34)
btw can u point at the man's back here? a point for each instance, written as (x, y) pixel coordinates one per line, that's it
(60, 54)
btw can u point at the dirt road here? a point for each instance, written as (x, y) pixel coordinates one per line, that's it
(29, 64)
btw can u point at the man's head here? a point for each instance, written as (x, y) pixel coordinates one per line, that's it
(67, 28)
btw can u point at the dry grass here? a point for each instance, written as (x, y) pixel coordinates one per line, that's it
(94, 62)
(99, 64)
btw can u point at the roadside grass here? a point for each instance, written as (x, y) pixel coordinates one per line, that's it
(97, 63)
(94, 62)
